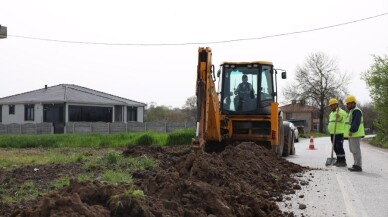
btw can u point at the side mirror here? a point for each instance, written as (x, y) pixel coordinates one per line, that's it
(3, 31)
(218, 72)
(284, 75)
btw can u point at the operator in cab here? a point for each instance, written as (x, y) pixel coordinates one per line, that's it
(244, 88)
(245, 94)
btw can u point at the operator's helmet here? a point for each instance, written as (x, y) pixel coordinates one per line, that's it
(244, 77)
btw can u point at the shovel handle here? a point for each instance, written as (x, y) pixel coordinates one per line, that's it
(335, 129)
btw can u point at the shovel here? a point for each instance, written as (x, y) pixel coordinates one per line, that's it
(331, 160)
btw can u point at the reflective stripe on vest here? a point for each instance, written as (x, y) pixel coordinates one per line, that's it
(360, 132)
(340, 123)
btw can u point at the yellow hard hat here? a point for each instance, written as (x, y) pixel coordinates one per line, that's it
(333, 101)
(350, 99)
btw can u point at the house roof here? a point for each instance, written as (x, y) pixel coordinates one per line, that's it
(298, 107)
(68, 93)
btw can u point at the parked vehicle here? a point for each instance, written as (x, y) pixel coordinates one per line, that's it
(296, 132)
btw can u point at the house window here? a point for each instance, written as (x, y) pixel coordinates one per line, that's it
(315, 115)
(11, 109)
(131, 113)
(90, 114)
(29, 112)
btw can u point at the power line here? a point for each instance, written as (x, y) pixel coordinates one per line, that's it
(199, 43)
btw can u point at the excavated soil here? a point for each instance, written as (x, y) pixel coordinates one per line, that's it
(243, 180)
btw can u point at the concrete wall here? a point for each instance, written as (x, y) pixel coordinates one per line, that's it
(99, 127)
(29, 128)
(95, 127)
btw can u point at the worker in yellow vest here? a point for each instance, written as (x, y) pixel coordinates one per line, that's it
(336, 127)
(354, 131)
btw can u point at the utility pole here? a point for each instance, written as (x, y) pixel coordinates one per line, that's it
(3, 32)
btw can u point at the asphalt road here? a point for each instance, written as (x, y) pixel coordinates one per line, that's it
(335, 191)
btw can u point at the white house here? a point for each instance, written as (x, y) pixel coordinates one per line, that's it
(65, 103)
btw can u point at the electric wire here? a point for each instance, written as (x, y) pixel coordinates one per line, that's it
(200, 43)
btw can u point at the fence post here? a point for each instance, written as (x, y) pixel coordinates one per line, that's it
(145, 126)
(20, 129)
(36, 128)
(126, 127)
(73, 127)
(108, 128)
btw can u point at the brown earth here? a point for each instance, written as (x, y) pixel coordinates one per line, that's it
(243, 180)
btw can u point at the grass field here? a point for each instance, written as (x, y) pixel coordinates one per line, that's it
(96, 140)
(38, 164)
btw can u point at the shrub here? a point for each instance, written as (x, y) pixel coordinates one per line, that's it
(181, 137)
(145, 139)
(113, 157)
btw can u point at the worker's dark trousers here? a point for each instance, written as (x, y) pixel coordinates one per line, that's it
(339, 147)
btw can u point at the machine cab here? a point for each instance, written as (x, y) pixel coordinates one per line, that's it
(247, 88)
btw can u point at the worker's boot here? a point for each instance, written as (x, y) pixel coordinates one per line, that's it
(355, 168)
(341, 162)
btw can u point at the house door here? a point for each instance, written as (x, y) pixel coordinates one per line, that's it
(54, 113)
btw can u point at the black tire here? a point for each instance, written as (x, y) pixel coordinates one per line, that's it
(280, 146)
(288, 141)
(292, 149)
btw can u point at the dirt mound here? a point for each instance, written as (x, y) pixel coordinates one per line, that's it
(243, 180)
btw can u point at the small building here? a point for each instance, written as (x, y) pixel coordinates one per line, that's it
(65, 103)
(304, 117)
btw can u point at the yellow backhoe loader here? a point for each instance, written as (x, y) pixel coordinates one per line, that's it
(245, 107)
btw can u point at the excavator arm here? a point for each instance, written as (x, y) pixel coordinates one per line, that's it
(208, 108)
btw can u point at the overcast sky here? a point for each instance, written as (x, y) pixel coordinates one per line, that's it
(166, 74)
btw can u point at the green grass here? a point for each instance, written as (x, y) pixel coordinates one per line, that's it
(379, 140)
(85, 177)
(17, 193)
(180, 137)
(114, 160)
(96, 140)
(124, 200)
(61, 182)
(106, 165)
(14, 158)
(116, 177)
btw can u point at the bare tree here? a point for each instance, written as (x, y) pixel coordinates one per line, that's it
(318, 80)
